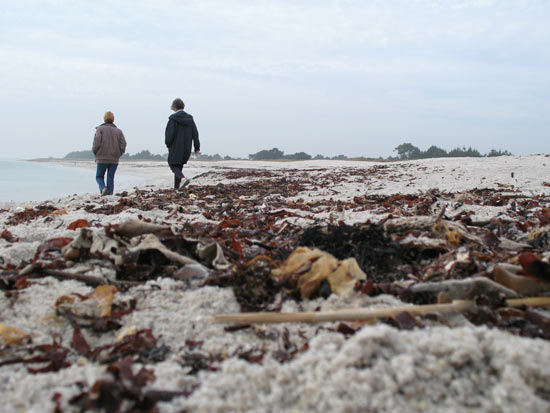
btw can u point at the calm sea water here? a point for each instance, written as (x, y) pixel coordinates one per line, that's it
(22, 181)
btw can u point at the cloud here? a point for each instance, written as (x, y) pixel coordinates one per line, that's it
(423, 67)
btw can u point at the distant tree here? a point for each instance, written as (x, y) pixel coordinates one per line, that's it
(407, 151)
(227, 158)
(463, 152)
(434, 152)
(80, 155)
(299, 156)
(319, 157)
(494, 152)
(205, 157)
(474, 153)
(146, 155)
(339, 157)
(267, 155)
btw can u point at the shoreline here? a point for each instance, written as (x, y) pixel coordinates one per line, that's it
(60, 179)
(466, 173)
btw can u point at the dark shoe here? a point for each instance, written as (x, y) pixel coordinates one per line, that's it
(105, 191)
(185, 183)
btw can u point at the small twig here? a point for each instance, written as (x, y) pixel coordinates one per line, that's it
(282, 228)
(529, 301)
(365, 314)
(441, 213)
(342, 315)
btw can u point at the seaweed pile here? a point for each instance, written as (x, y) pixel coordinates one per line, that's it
(423, 248)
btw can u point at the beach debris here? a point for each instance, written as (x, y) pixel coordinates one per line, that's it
(141, 345)
(212, 254)
(193, 359)
(369, 314)
(29, 214)
(8, 236)
(95, 310)
(54, 354)
(81, 244)
(535, 267)
(522, 284)
(539, 237)
(90, 280)
(104, 246)
(95, 305)
(51, 250)
(152, 243)
(307, 268)
(192, 274)
(465, 289)
(104, 295)
(123, 390)
(529, 301)
(431, 250)
(125, 261)
(377, 254)
(253, 285)
(454, 232)
(134, 228)
(452, 235)
(79, 223)
(11, 335)
(354, 314)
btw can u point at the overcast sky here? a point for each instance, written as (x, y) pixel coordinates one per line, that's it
(325, 77)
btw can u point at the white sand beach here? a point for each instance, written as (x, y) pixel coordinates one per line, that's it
(444, 363)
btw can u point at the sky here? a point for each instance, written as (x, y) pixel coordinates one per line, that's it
(328, 77)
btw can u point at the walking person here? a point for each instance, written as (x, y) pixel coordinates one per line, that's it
(181, 133)
(109, 145)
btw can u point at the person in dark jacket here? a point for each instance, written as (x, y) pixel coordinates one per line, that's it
(109, 145)
(181, 133)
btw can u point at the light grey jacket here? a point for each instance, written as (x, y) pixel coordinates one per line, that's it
(109, 143)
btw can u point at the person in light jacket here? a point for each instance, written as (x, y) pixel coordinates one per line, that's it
(181, 132)
(109, 145)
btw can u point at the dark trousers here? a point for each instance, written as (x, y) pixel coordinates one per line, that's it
(100, 175)
(178, 174)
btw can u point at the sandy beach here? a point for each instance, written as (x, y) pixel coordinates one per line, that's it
(134, 327)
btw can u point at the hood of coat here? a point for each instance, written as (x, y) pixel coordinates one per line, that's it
(181, 117)
(107, 124)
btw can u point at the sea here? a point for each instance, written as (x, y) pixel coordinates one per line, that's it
(22, 181)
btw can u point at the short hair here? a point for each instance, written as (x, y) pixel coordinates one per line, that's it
(109, 117)
(177, 104)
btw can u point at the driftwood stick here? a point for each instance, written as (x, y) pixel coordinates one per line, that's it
(529, 301)
(365, 314)
(134, 228)
(350, 314)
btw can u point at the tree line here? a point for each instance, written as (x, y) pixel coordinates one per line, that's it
(405, 151)
(277, 154)
(145, 155)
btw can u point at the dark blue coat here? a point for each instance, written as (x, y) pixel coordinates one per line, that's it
(181, 133)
